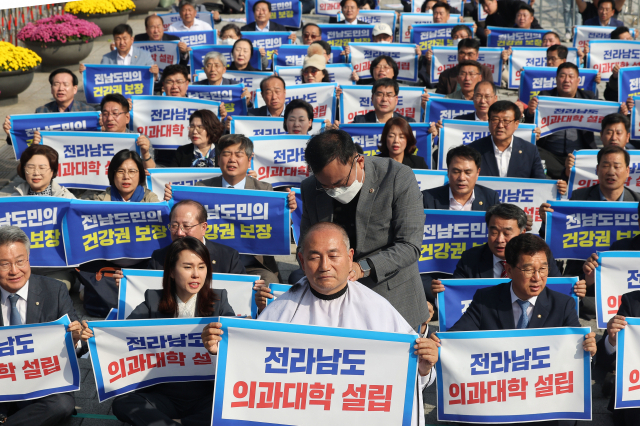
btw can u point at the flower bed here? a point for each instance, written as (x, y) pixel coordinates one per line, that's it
(99, 7)
(13, 58)
(59, 28)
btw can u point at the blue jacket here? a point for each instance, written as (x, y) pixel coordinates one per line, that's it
(595, 21)
(140, 57)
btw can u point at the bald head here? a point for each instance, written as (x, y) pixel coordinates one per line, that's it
(325, 229)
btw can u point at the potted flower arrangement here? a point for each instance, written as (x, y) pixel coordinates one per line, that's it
(107, 14)
(16, 69)
(60, 39)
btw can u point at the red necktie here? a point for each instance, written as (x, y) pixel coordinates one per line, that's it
(504, 270)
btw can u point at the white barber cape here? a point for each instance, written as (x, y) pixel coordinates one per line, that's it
(357, 307)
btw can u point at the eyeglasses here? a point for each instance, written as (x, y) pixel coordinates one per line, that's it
(310, 70)
(381, 95)
(483, 97)
(174, 82)
(311, 35)
(529, 272)
(470, 74)
(122, 172)
(216, 65)
(322, 188)
(495, 121)
(173, 227)
(5, 266)
(196, 128)
(383, 68)
(31, 169)
(115, 115)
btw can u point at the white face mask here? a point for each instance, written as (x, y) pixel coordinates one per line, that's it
(345, 194)
(228, 41)
(385, 41)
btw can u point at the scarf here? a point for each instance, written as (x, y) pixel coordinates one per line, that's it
(202, 161)
(137, 196)
(48, 192)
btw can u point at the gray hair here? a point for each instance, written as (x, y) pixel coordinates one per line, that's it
(13, 234)
(507, 212)
(319, 226)
(191, 3)
(215, 56)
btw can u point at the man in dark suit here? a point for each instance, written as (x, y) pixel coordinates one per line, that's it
(274, 92)
(350, 10)
(606, 10)
(32, 299)
(154, 27)
(500, 14)
(384, 97)
(554, 148)
(262, 23)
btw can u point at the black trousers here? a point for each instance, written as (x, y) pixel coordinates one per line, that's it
(158, 405)
(47, 411)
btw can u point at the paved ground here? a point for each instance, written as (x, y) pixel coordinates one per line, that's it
(93, 413)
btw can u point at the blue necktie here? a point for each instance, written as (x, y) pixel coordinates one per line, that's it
(14, 317)
(523, 322)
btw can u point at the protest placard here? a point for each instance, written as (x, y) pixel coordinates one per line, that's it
(362, 54)
(583, 172)
(616, 275)
(554, 114)
(535, 79)
(163, 53)
(279, 160)
(627, 360)
(605, 54)
(532, 57)
(185, 176)
(283, 12)
(356, 100)
(127, 80)
(266, 126)
(504, 37)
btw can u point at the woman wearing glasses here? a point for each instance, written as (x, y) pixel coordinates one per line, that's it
(383, 66)
(127, 179)
(38, 167)
(204, 131)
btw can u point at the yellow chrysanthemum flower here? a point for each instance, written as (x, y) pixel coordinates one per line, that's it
(90, 7)
(13, 58)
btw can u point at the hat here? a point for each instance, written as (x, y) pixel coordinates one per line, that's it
(382, 29)
(317, 61)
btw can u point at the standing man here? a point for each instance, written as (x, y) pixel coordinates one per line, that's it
(189, 20)
(606, 10)
(501, 14)
(384, 97)
(379, 204)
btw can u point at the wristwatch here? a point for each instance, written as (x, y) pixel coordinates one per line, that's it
(366, 269)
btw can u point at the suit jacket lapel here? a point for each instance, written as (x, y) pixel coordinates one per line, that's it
(486, 263)
(479, 202)
(368, 194)
(505, 310)
(249, 183)
(490, 160)
(515, 161)
(540, 310)
(324, 207)
(34, 301)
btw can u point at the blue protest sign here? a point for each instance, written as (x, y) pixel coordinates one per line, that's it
(230, 95)
(163, 53)
(196, 38)
(111, 230)
(23, 126)
(127, 80)
(271, 41)
(628, 83)
(504, 37)
(293, 55)
(458, 293)
(276, 290)
(112, 315)
(296, 215)
(441, 108)
(576, 229)
(283, 12)
(197, 54)
(41, 219)
(447, 234)
(429, 35)
(343, 35)
(535, 79)
(250, 221)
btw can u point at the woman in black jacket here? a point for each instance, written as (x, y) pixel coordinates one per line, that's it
(398, 143)
(204, 131)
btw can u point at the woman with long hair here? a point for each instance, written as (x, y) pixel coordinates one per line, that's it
(397, 142)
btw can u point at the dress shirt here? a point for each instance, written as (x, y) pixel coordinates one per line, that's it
(497, 266)
(608, 346)
(603, 198)
(127, 58)
(239, 185)
(455, 205)
(265, 29)
(476, 117)
(354, 22)
(503, 157)
(21, 304)
(187, 310)
(517, 311)
(198, 25)
(269, 113)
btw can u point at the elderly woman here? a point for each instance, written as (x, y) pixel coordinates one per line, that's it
(314, 70)
(204, 131)
(241, 54)
(383, 66)
(398, 143)
(298, 117)
(215, 64)
(230, 33)
(127, 178)
(38, 167)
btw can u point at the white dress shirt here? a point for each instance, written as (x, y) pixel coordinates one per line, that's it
(265, 29)
(476, 117)
(517, 311)
(239, 185)
(611, 349)
(455, 205)
(497, 267)
(354, 22)
(269, 113)
(503, 157)
(21, 304)
(198, 25)
(187, 310)
(127, 58)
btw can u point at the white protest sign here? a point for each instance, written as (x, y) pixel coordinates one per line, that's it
(513, 376)
(250, 79)
(627, 393)
(532, 57)
(163, 53)
(321, 96)
(356, 100)
(362, 54)
(617, 274)
(338, 73)
(429, 179)
(604, 55)
(411, 19)
(165, 120)
(137, 281)
(583, 173)
(327, 7)
(528, 194)
(554, 114)
(582, 34)
(375, 17)
(37, 360)
(265, 126)
(279, 160)
(186, 176)
(83, 157)
(445, 57)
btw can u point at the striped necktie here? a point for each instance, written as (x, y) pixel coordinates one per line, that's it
(504, 270)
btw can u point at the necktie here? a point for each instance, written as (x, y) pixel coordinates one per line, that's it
(14, 317)
(230, 186)
(523, 322)
(504, 270)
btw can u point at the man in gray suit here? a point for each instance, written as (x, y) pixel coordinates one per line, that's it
(378, 202)
(32, 299)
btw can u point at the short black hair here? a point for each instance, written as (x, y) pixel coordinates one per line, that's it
(297, 103)
(63, 71)
(441, 4)
(117, 98)
(468, 63)
(527, 244)
(556, 35)
(613, 5)
(490, 83)
(385, 82)
(502, 106)
(507, 212)
(469, 43)
(613, 149)
(561, 50)
(524, 6)
(121, 29)
(265, 80)
(615, 34)
(146, 20)
(615, 118)
(389, 60)
(173, 70)
(344, 2)
(121, 157)
(261, 1)
(568, 65)
(310, 24)
(461, 27)
(232, 27)
(323, 148)
(326, 46)
(466, 152)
